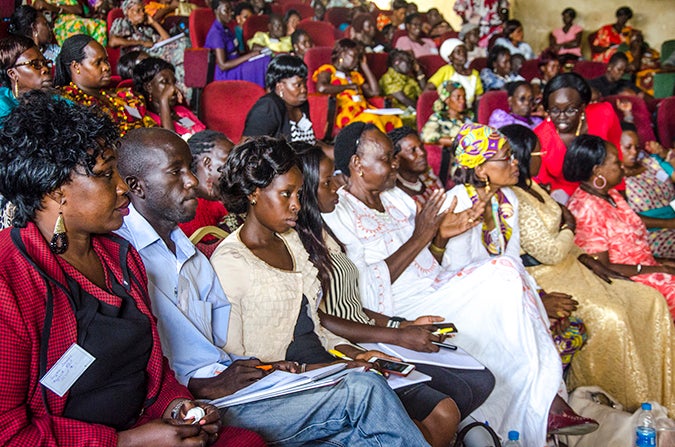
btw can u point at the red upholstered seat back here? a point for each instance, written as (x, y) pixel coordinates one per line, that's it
(641, 116)
(590, 69)
(430, 64)
(337, 16)
(322, 33)
(665, 121)
(225, 105)
(495, 99)
(200, 23)
(304, 9)
(253, 25)
(314, 58)
(377, 63)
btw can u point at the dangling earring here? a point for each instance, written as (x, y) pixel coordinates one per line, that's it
(281, 94)
(253, 202)
(581, 122)
(595, 182)
(16, 89)
(487, 185)
(59, 243)
(360, 173)
(77, 70)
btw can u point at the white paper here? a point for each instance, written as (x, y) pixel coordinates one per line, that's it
(390, 111)
(395, 382)
(444, 357)
(63, 374)
(166, 41)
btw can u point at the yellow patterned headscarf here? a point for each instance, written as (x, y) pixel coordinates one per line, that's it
(477, 143)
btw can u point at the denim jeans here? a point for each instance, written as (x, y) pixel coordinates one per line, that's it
(359, 411)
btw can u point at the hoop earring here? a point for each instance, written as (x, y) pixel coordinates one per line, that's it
(77, 70)
(604, 182)
(581, 122)
(59, 243)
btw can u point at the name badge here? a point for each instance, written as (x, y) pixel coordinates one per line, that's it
(356, 98)
(133, 111)
(186, 122)
(341, 75)
(63, 374)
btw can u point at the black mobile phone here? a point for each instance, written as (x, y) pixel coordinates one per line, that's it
(398, 368)
(447, 326)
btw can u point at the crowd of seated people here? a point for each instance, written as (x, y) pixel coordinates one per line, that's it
(551, 245)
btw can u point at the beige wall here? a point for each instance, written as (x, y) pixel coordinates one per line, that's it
(656, 18)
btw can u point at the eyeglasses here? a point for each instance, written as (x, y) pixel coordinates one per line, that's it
(37, 64)
(569, 112)
(509, 158)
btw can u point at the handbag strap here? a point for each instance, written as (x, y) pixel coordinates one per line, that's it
(459, 441)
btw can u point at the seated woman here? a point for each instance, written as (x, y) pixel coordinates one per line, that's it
(22, 69)
(448, 117)
(341, 310)
(31, 23)
(230, 64)
(513, 40)
(397, 251)
(363, 31)
(566, 99)
(71, 19)
(566, 40)
(291, 19)
(649, 191)
(284, 111)
(209, 151)
(273, 286)
(404, 81)
(606, 226)
(414, 175)
(609, 37)
(154, 79)
(83, 75)
(302, 42)
(350, 87)
(69, 198)
(615, 312)
(275, 39)
(470, 34)
(138, 31)
(415, 42)
(521, 103)
(549, 67)
(127, 63)
(498, 71)
(454, 53)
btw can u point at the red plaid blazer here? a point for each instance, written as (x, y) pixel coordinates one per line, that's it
(24, 418)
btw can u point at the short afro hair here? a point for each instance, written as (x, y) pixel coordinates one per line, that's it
(42, 141)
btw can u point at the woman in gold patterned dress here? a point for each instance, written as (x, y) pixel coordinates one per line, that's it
(629, 351)
(83, 76)
(72, 19)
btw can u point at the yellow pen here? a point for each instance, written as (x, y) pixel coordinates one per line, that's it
(446, 330)
(338, 354)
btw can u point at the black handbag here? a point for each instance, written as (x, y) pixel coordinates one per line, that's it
(459, 441)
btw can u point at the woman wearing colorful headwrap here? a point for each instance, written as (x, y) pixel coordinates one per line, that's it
(449, 115)
(454, 53)
(397, 252)
(71, 19)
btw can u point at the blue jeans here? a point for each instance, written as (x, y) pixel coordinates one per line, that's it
(359, 411)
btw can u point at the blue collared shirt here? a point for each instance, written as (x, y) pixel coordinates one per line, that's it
(187, 299)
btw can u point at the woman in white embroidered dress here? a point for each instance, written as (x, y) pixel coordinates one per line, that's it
(397, 250)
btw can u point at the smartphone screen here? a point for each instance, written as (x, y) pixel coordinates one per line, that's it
(395, 367)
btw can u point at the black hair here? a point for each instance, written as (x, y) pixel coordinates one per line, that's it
(22, 21)
(72, 50)
(510, 26)
(399, 133)
(616, 57)
(347, 143)
(523, 141)
(42, 141)
(624, 11)
(239, 7)
(359, 20)
(134, 152)
(310, 223)
(127, 62)
(547, 56)
(11, 47)
(585, 152)
(567, 80)
(216, 3)
(341, 46)
(282, 67)
(571, 12)
(289, 13)
(146, 70)
(628, 127)
(253, 164)
(398, 4)
(494, 54)
(295, 35)
(410, 17)
(202, 142)
(511, 87)
(395, 54)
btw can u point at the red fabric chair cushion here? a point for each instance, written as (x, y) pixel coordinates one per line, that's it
(377, 63)
(641, 116)
(225, 105)
(530, 70)
(255, 24)
(337, 16)
(314, 58)
(322, 33)
(590, 69)
(303, 9)
(665, 121)
(198, 61)
(495, 99)
(200, 23)
(430, 64)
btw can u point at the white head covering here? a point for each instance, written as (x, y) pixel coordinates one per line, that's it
(448, 47)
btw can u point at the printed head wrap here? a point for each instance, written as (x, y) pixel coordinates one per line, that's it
(126, 4)
(382, 21)
(476, 144)
(444, 92)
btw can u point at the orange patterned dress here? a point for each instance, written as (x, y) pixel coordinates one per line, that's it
(351, 104)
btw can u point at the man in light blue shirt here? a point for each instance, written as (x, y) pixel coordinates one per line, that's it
(192, 313)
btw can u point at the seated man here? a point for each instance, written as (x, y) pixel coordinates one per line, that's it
(193, 313)
(611, 82)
